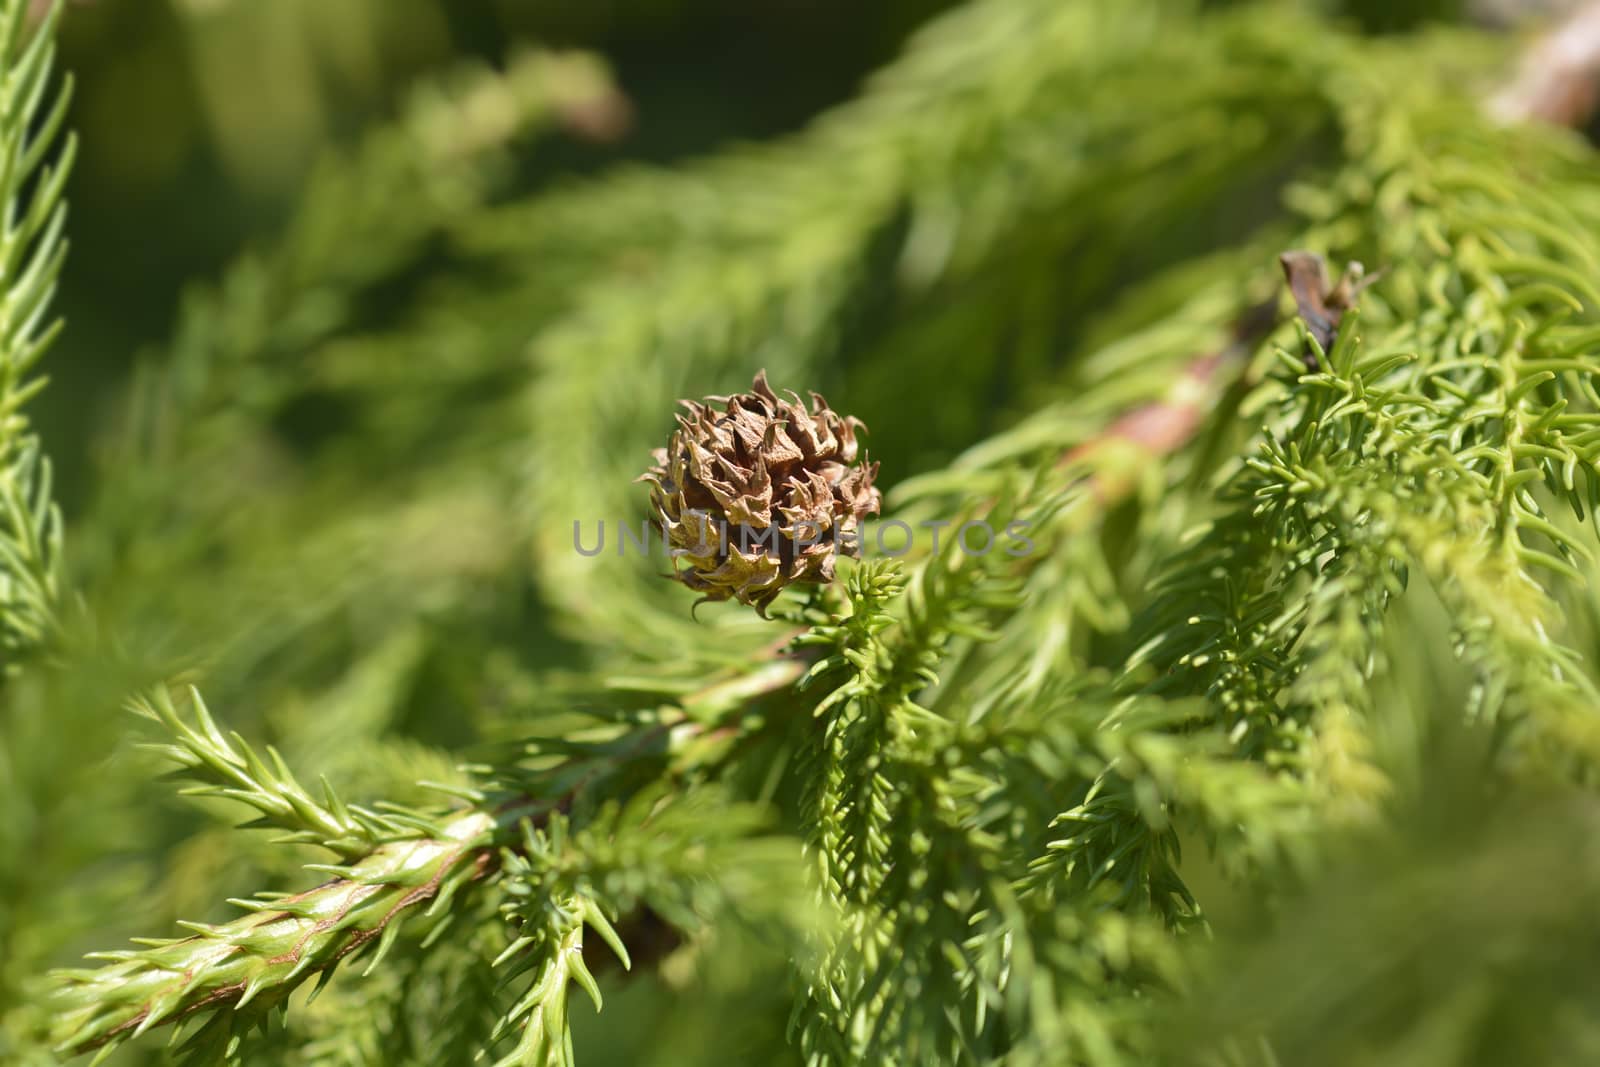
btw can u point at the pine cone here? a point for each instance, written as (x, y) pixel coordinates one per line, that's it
(753, 493)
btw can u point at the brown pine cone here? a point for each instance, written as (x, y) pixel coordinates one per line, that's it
(753, 493)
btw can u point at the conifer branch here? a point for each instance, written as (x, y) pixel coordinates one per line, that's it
(240, 971)
(1558, 82)
(229, 768)
(34, 163)
(395, 862)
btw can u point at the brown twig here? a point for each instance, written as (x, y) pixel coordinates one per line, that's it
(1558, 80)
(1163, 426)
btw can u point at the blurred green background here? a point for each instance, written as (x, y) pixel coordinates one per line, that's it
(200, 120)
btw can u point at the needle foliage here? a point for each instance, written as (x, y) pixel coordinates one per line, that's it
(1277, 745)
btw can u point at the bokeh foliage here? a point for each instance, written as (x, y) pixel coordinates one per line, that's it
(1280, 747)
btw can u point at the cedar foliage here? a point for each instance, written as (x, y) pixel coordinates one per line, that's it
(1278, 748)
